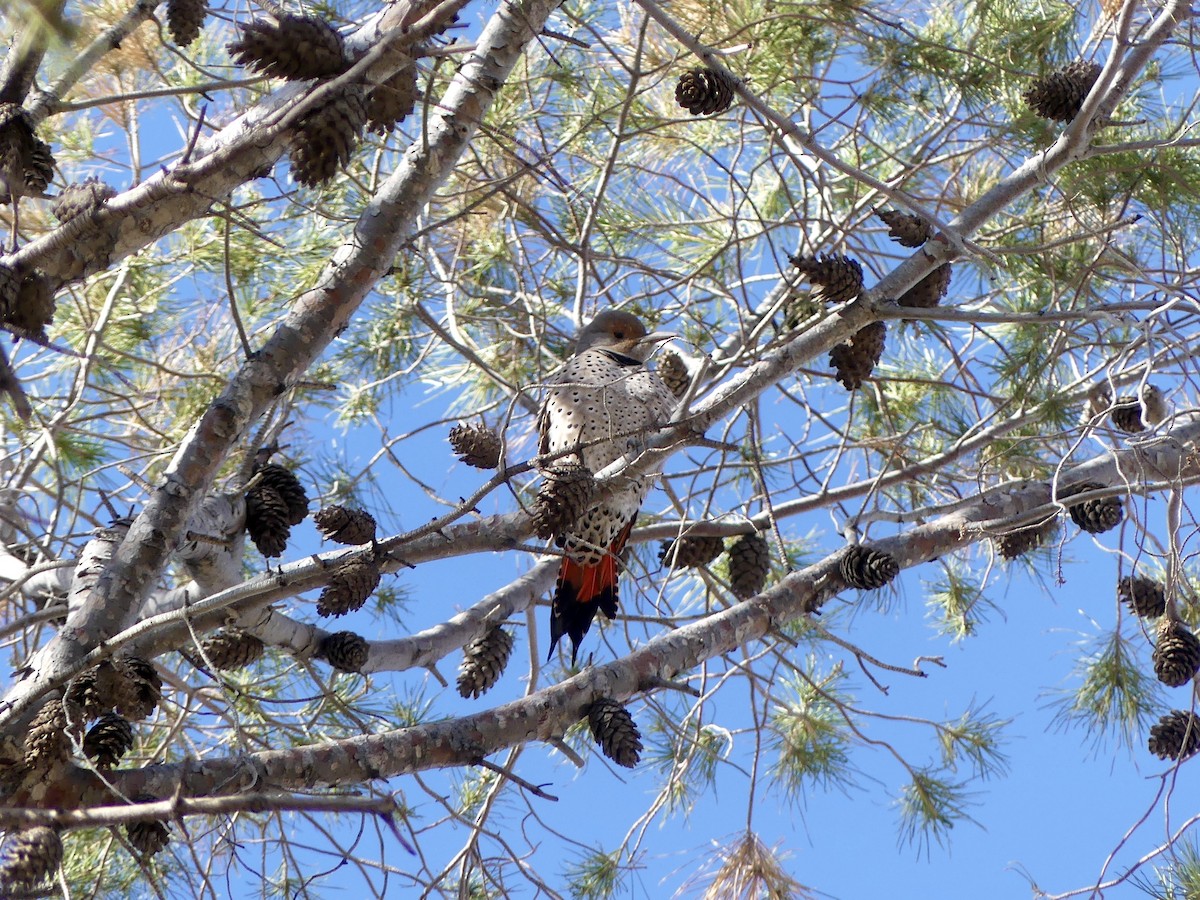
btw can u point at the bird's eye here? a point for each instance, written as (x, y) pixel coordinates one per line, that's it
(619, 335)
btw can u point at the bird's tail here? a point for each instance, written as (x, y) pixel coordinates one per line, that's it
(583, 590)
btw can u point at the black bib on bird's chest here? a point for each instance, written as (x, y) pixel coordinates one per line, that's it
(621, 359)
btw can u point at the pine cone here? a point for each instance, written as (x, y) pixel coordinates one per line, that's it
(483, 662)
(345, 526)
(854, 362)
(39, 168)
(267, 520)
(690, 552)
(1094, 516)
(1132, 414)
(476, 445)
(703, 92)
(34, 308)
(1144, 596)
(232, 648)
(288, 486)
(10, 290)
(866, 568)
(108, 740)
(1059, 96)
(837, 278)
(26, 161)
(47, 742)
(95, 691)
(905, 229)
(148, 838)
(81, 198)
(749, 563)
(327, 137)
(1019, 542)
(615, 731)
(30, 857)
(674, 373)
(1126, 415)
(562, 498)
(1175, 736)
(929, 291)
(348, 588)
(185, 18)
(296, 48)
(345, 651)
(390, 102)
(1176, 656)
(139, 688)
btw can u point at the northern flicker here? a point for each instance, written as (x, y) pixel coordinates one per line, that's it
(601, 406)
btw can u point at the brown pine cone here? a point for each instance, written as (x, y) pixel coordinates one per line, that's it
(674, 373)
(866, 568)
(10, 290)
(690, 552)
(139, 688)
(26, 161)
(929, 291)
(282, 480)
(905, 229)
(95, 691)
(30, 857)
(615, 731)
(345, 651)
(185, 18)
(1093, 516)
(295, 47)
(1132, 415)
(1175, 736)
(703, 92)
(854, 362)
(345, 526)
(39, 168)
(390, 102)
(837, 278)
(108, 740)
(267, 520)
(561, 499)
(1059, 96)
(327, 137)
(47, 742)
(348, 588)
(1018, 543)
(749, 564)
(483, 662)
(34, 308)
(476, 445)
(148, 838)
(1126, 415)
(232, 648)
(1176, 655)
(81, 198)
(1144, 596)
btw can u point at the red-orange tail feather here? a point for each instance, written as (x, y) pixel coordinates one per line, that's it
(582, 591)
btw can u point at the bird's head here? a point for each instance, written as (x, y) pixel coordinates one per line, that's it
(620, 332)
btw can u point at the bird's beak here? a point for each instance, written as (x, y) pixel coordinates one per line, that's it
(656, 337)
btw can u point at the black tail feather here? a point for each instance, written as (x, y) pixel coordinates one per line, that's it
(572, 616)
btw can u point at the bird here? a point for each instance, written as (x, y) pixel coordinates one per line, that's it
(600, 407)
